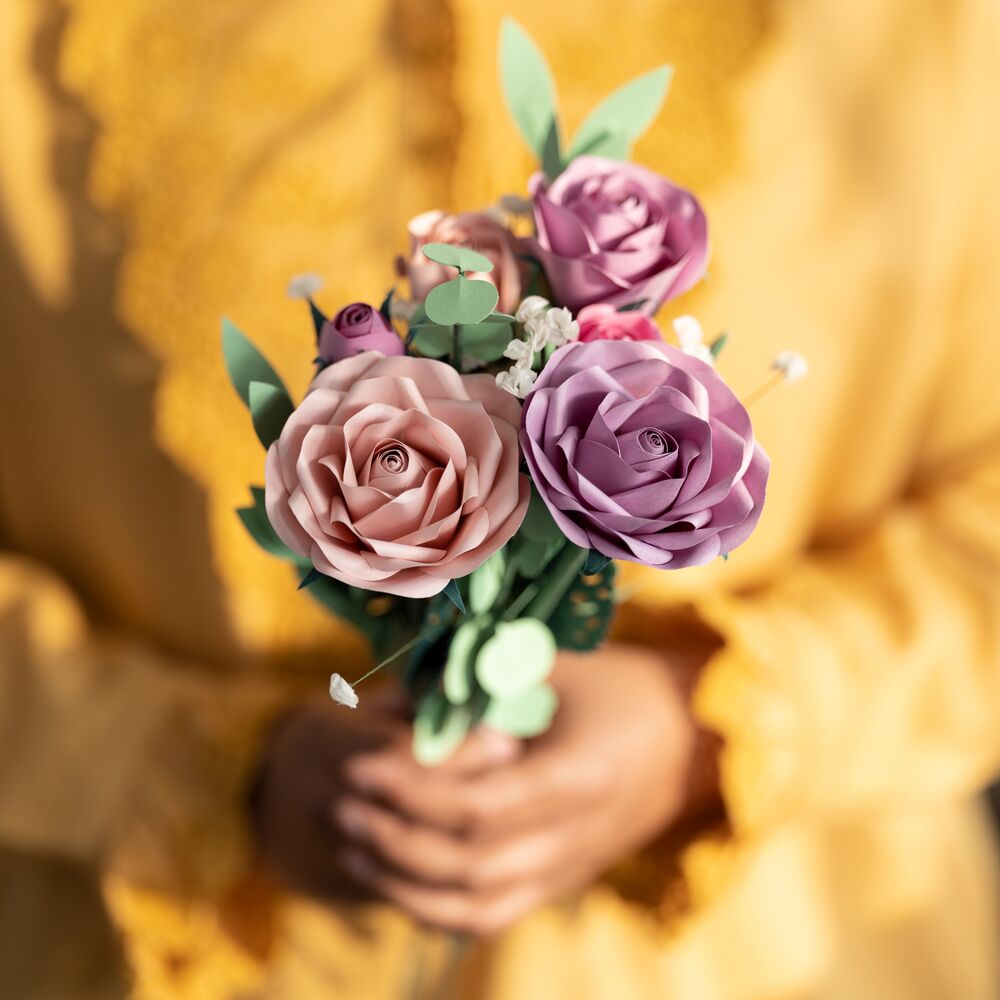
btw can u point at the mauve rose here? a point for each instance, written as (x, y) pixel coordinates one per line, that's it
(643, 453)
(397, 474)
(475, 230)
(604, 322)
(355, 329)
(617, 233)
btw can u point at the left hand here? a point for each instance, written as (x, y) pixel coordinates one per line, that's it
(473, 852)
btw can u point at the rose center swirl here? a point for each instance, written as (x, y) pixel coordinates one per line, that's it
(393, 459)
(656, 442)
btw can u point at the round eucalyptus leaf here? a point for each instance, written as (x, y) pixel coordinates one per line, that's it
(457, 678)
(438, 729)
(529, 714)
(516, 658)
(461, 300)
(454, 256)
(485, 582)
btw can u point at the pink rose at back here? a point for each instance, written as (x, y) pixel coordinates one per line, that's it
(605, 322)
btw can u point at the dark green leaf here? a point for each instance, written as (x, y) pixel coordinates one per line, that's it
(386, 308)
(454, 595)
(538, 524)
(270, 407)
(583, 616)
(256, 522)
(313, 576)
(633, 306)
(596, 561)
(245, 363)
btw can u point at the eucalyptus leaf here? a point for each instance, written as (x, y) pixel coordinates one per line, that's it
(527, 715)
(528, 88)
(431, 339)
(461, 257)
(438, 729)
(461, 301)
(518, 656)
(485, 341)
(270, 407)
(486, 581)
(244, 363)
(457, 679)
(611, 128)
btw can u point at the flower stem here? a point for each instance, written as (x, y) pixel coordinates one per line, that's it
(564, 571)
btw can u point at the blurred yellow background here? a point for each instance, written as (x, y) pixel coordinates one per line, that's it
(167, 162)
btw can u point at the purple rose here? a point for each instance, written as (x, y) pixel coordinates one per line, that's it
(355, 329)
(643, 453)
(617, 233)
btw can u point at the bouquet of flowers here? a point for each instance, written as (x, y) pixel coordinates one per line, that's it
(467, 463)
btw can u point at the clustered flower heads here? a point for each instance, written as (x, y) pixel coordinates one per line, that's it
(546, 326)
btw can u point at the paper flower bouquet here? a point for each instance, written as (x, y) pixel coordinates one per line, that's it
(468, 462)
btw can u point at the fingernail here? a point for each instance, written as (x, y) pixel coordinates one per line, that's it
(350, 817)
(356, 864)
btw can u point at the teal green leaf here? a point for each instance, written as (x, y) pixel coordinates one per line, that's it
(438, 729)
(386, 308)
(527, 715)
(454, 595)
(270, 407)
(596, 561)
(461, 300)
(457, 256)
(312, 576)
(486, 581)
(623, 116)
(518, 656)
(256, 522)
(527, 84)
(581, 620)
(245, 363)
(458, 667)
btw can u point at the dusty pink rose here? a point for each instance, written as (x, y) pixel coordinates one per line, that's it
(357, 328)
(474, 230)
(604, 322)
(397, 474)
(618, 233)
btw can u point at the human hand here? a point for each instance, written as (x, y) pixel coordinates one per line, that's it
(472, 851)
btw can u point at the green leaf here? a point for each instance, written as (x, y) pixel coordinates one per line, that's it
(632, 306)
(485, 341)
(458, 667)
(313, 576)
(457, 256)
(596, 561)
(485, 582)
(245, 363)
(431, 339)
(256, 522)
(538, 524)
(386, 308)
(454, 595)
(528, 87)
(534, 556)
(552, 152)
(518, 656)
(716, 346)
(438, 729)
(461, 300)
(527, 715)
(581, 620)
(270, 407)
(623, 116)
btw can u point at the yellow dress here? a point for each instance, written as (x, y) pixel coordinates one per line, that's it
(165, 163)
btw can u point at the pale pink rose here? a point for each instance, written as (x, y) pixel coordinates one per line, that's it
(475, 230)
(397, 474)
(604, 322)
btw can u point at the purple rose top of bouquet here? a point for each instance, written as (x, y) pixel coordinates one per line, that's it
(643, 453)
(617, 233)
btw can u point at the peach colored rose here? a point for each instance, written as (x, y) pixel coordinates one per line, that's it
(397, 474)
(475, 230)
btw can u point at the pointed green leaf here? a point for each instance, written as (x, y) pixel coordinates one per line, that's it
(270, 407)
(313, 576)
(552, 151)
(596, 561)
(461, 257)
(386, 308)
(716, 346)
(256, 522)
(612, 127)
(461, 301)
(244, 362)
(527, 715)
(527, 84)
(454, 595)
(518, 656)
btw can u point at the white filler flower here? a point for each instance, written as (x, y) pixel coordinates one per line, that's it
(559, 327)
(691, 338)
(342, 692)
(518, 381)
(531, 309)
(792, 365)
(304, 286)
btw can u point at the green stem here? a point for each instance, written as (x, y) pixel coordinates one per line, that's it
(393, 656)
(565, 569)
